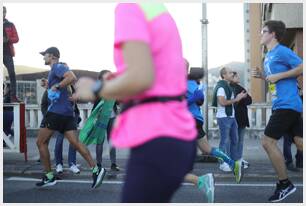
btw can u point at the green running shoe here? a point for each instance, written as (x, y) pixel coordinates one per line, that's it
(238, 171)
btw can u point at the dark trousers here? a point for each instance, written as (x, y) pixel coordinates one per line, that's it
(8, 118)
(288, 140)
(9, 64)
(156, 170)
(99, 147)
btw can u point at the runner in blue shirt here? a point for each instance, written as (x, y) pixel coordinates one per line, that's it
(60, 117)
(281, 67)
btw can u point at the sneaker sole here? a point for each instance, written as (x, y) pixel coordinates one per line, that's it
(48, 184)
(212, 182)
(78, 172)
(292, 191)
(100, 179)
(241, 176)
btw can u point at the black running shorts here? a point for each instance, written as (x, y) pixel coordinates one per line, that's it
(59, 122)
(284, 121)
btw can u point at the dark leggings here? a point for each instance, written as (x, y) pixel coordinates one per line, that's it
(156, 170)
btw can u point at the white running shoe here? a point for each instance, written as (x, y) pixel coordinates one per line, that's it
(73, 168)
(225, 167)
(59, 168)
(245, 164)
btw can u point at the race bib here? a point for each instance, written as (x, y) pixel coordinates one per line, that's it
(272, 90)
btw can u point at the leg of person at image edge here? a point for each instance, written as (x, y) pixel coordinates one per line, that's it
(241, 133)
(48, 179)
(287, 153)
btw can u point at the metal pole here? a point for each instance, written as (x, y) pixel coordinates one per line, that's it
(204, 22)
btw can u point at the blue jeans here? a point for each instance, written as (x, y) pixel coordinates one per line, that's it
(229, 136)
(241, 133)
(58, 150)
(9, 64)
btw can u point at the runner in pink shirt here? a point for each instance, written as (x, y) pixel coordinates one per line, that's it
(155, 122)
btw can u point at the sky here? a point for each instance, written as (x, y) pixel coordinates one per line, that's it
(84, 32)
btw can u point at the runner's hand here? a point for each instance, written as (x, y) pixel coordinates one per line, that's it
(256, 72)
(273, 78)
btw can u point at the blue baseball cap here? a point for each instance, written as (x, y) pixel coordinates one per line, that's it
(51, 50)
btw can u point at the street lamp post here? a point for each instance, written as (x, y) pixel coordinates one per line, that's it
(204, 22)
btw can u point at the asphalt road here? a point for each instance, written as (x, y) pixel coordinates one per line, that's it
(17, 189)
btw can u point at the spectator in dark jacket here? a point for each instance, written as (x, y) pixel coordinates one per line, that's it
(241, 114)
(10, 37)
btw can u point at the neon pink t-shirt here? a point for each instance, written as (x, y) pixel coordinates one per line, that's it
(151, 23)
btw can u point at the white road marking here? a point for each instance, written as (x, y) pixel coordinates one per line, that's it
(26, 179)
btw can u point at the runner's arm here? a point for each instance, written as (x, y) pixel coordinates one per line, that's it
(138, 76)
(284, 75)
(69, 78)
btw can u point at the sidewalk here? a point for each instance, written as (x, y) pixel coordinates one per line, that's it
(14, 164)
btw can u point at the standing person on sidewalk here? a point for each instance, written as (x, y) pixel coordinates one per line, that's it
(10, 37)
(241, 115)
(151, 82)
(60, 117)
(281, 67)
(99, 147)
(224, 100)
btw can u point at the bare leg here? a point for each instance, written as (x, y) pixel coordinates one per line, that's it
(276, 156)
(82, 149)
(204, 145)
(191, 178)
(42, 142)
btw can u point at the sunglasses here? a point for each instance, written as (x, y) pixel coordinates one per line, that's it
(264, 31)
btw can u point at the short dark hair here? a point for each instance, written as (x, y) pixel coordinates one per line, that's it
(102, 73)
(222, 72)
(278, 27)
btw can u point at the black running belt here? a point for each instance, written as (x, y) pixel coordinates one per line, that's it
(133, 103)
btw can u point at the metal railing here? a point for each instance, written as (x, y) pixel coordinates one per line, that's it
(17, 142)
(259, 115)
